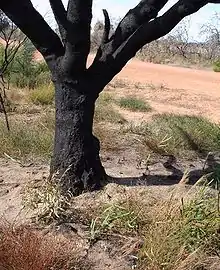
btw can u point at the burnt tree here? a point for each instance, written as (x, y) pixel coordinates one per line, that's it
(76, 150)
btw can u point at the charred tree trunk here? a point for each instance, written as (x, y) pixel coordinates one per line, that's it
(76, 159)
(76, 151)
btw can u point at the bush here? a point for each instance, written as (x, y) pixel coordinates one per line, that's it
(134, 104)
(43, 95)
(23, 70)
(216, 66)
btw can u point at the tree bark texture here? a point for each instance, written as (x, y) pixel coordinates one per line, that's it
(76, 158)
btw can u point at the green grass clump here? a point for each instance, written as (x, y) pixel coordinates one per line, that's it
(134, 104)
(179, 135)
(27, 139)
(200, 223)
(216, 66)
(182, 236)
(125, 218)
(43, 95)
(171, 233)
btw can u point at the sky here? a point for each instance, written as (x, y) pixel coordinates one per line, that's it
(118, 8)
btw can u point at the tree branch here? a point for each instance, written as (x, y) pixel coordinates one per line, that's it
(107, 28)
(32, 24)
(156, 28)
(60, 15)
(145, 11)
(79, 16)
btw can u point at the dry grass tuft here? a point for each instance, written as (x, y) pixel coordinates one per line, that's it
(119, 83)
(23, 248)
(28, 139)
(43, 95)
(179, 235)
(47, 200)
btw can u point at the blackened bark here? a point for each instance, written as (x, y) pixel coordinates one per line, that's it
(76, 151)
(76, 159)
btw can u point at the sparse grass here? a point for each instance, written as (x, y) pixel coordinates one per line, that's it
(27, 139)
(43, 95)
(105, 112)
(108, 114)
(119, 83)
(179, 135)
(110, 139)
(22, 247)
(134, 104)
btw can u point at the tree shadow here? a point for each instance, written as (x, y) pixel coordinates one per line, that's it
(176, 175)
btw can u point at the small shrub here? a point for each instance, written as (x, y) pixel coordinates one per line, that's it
(43, 95)
(216, 66)
(134, 104)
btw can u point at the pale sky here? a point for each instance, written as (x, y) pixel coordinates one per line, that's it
(118, 8)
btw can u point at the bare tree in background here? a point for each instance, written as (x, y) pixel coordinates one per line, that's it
(181, 38)
(97, 34)
(211, 33)
(76, 157)
(11, 40)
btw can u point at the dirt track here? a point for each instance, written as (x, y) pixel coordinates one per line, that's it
(175, 89)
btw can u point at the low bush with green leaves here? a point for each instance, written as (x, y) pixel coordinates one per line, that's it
(134, 104)
(24, 71)
(216, 66)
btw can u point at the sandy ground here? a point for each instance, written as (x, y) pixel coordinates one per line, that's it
(171, 89)
(168, 90)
